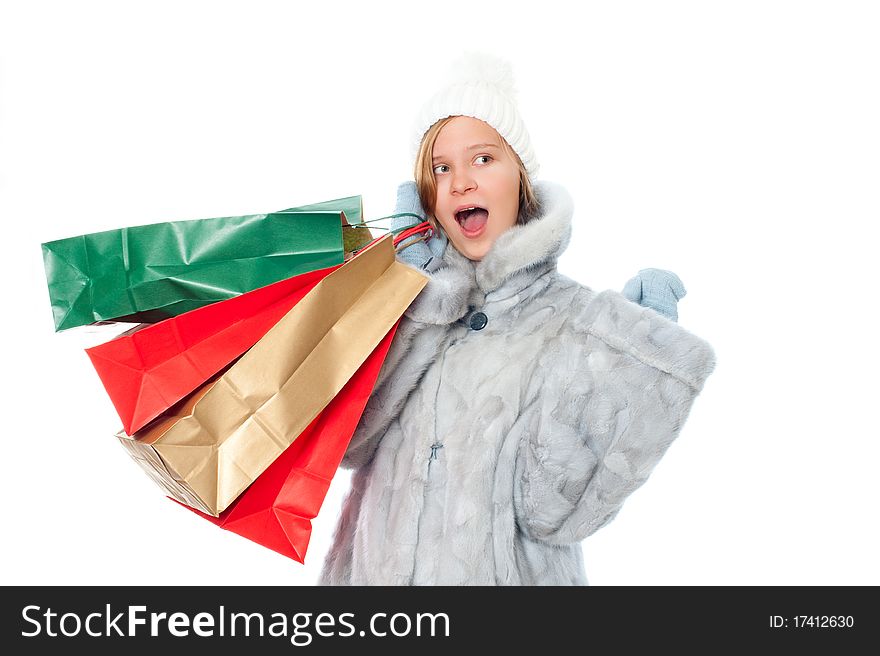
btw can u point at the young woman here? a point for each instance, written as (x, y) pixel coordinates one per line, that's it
(517, 409)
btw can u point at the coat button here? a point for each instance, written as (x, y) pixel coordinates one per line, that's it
(478, 321)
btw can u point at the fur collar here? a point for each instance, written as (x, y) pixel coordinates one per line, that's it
(515, 260)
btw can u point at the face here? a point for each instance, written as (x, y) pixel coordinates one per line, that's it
(473, 170)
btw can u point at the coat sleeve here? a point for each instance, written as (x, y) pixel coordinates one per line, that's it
(605, 417)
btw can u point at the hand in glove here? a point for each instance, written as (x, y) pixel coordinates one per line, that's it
(657, 289)
(420, 254)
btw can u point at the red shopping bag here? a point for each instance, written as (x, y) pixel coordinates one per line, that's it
(147, 371)
(277, 508)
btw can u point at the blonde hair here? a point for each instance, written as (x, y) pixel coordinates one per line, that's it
(426, 183)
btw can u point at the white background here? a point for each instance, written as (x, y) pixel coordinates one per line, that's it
(733, 143)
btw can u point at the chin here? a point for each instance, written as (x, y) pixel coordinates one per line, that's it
(473, 250)
(470, 252)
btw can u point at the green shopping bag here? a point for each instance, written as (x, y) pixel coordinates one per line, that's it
(152, 272)
(354, 236)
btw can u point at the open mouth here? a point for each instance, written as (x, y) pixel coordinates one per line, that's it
(472, 219)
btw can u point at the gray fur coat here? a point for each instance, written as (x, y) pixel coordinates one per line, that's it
(515, 413)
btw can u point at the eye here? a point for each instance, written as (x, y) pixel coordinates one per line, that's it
(438, 167)
(488, 157)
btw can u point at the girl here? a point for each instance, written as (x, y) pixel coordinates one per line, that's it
(517, 409)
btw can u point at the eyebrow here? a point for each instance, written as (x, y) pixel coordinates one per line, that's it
(474, 147)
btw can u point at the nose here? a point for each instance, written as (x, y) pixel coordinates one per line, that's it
(463, 181)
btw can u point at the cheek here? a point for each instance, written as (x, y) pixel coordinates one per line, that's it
(506, 185)
(442, 198)
(511, 201)
(448, 225)
(513, 185)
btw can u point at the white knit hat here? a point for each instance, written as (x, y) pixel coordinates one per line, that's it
(480, 85)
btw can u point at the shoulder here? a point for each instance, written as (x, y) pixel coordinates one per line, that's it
(605, 313)
(570, 299)
(609, 321)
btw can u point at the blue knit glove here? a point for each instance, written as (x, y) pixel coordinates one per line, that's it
(420, 254)
(657, 289)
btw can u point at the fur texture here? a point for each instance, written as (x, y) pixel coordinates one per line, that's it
(485, 456)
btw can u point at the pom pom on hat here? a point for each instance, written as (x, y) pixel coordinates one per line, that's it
(482, 86)
(478, 67)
